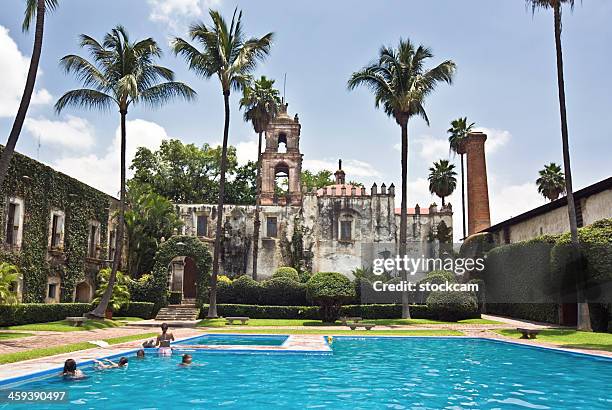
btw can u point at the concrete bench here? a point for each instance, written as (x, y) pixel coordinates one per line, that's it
(75, 320)
(345, 319)
(230, 320)
(528, 333)
(354, 326)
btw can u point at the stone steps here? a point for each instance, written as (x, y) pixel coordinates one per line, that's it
(178, 312)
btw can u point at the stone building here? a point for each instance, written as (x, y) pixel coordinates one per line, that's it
(57, 230)
(592, 204)
(323, 230)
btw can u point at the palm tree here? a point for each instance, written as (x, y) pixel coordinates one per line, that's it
(123, 73)
(459, 131)
(261, 102)
(442, 179)
(551, 182)
(34, 8)
(400, 84)
(227, 54)
(584, 319)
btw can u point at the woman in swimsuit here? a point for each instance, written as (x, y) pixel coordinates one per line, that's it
(70, 370)
(163, 341)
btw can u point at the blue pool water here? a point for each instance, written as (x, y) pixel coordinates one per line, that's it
(264, 340)
(423, 373)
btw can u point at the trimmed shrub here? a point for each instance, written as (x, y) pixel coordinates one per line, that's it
(175, 298)
(447, 275)
(225, 292)
(330, 290)
(283, 291)
(26, 313)
(246, 290)
(304, 276)
(452, 306)
(312, 312)
(286, 272)
(143, 289)
(144, 310)
(539, 312)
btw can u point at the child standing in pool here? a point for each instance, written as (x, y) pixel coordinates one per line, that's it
(163, 341)
(70, 370)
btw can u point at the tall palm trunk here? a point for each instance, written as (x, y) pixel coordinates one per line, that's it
(404, 214)
(212, 308)
(257, 222)
(102, 306)
(584, 320)
(9, 149)
(463, 195)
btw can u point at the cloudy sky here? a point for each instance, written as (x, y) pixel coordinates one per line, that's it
(506, 83)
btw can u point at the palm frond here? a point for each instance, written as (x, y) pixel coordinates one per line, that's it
(31, 10)
(161, 93)
(84, 98)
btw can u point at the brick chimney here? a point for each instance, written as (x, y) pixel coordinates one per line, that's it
(479, 217)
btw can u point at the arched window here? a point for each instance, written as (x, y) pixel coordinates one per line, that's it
(282, 143)
(281, 178)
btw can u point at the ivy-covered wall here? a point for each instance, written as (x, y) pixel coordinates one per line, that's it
(43, 190)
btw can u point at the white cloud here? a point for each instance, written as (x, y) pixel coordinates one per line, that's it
(14, 68)
(503, 200)
(495, 138)
(174, 13)
(102, 172)
(74, 133)
(246, 151)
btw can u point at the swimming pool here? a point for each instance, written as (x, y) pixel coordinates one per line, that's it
(431, 373)
(235, 340)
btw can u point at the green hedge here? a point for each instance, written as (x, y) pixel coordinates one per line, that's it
(278, 291)
(312, 312)
(145, 310)
(452, 306)
(175, 298)
(287, 272)
(539, 312)
(26, 313)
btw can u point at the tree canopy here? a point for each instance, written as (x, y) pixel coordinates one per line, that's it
(187, 173)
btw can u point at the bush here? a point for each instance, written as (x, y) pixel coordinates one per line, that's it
(246, 290)
(538, 312)
(144, 310)
(175, 298)
(330, 290)
(452, 306)
(304, 276)
(143, 289)
(447, 275)
(283, 291)
(313, 312)
(225, 292)
(26, 313)
(286, 272)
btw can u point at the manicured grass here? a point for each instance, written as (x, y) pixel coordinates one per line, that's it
(428, 332)
(569, 338)
(50, 351)
(129, 338)
(127, 319)
(9, 335)
(43, 352)
(65, 326)
(309, 322)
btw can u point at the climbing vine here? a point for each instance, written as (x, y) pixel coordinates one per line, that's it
(181, 245)
(43, 190)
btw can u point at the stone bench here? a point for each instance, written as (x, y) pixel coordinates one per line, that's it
(528, 333)
(354, 326)
(345, 319)
(230, 320)
(75, 320)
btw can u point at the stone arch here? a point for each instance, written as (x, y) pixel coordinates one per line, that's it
(188, 247)
(83, 292)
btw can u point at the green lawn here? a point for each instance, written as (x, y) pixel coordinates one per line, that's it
(317, 323)
(428, 332)
(50, 351)
(64, 326)
(569, 338)
(9, 335)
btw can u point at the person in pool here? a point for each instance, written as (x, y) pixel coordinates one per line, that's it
(164, 340)
(186, 360)
(140, 354)
(123, 362)
(70, 370)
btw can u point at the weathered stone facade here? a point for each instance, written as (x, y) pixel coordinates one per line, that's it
(317, 231)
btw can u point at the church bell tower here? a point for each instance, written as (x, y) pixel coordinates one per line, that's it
(282, 159)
